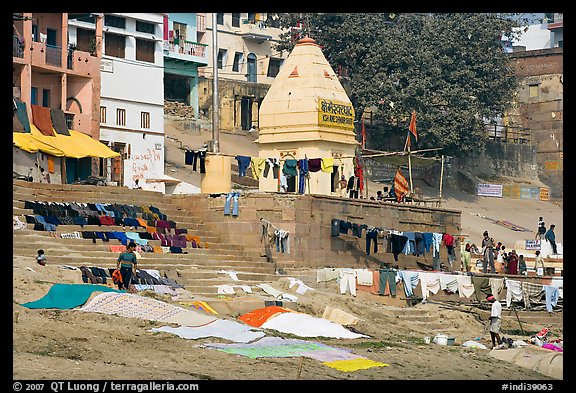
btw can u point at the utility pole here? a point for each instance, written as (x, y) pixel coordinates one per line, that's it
(215, 104)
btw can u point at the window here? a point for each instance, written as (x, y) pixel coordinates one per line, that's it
(84, 39)
(69, 117)
(236, 19)
(561, 44)
(103, 114)
(220, 18)
(274, 67)
(35, 35)
(237, 61)
(145, 119)
(46, 98)
(121, 117)
(221, 58)
(34, 95)
(145, 27)
(145, 50)
(114, 21)
(179, 31)
(114, 45)
(533, 88)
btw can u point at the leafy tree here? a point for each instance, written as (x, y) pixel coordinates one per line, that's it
(448, 67)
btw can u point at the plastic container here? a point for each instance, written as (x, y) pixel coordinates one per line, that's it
(426, 340)
(441, 339)
(450, 340)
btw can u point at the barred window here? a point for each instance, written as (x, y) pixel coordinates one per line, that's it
(145, 27)
(121, 117)
(145, 119)
(114, 21)
(103, 114)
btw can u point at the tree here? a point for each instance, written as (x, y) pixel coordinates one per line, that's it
(448, 67)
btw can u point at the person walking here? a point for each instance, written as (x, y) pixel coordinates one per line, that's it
(495, 320)
(551, 237)
(488, 252)
(541, 230)
(127, 265)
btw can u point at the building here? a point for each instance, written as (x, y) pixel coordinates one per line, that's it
(307, 114)
(132, 96)
(56, 91)
(183, 55)
(546, 32)
(247, 64)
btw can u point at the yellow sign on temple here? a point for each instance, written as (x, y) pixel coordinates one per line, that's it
(335, 114)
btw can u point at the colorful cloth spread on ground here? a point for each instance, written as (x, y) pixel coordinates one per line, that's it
(135, 306)
(257, 317)
(278, 347)
(504, 223)
(305, 325)
(67, 296)
(354, 364)
(222, 328)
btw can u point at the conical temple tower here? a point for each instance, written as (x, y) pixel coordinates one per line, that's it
(307, 114)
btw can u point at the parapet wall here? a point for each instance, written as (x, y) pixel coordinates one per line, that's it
(308, 220)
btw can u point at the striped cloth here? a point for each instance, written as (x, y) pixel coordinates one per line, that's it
(532, 293)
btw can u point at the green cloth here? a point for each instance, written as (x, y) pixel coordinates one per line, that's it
(276, 351)
(67, 296)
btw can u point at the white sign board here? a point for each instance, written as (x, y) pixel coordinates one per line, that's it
(491, 190)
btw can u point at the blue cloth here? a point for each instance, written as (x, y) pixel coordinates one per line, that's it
(67, 296)
(410, 245)
(552, 294)
(289, 168)
(409, 281)
(428, 239)
(231, 199)
(243, 164)
(303, 171)
(371, 235)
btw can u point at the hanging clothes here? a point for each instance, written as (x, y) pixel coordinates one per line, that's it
(289, 168)
(257, 166)
(315, 164)
(303, 173)
(347, 281)
(398, 243)
(328, 165)
(243, 164)
(188, 157)
(273, 163)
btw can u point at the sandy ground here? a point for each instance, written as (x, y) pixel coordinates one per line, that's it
(73, 345)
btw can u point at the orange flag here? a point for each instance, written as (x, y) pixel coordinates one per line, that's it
(401, 186)
(412, 126)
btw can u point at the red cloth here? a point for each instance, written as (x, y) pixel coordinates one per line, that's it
(448, 239)
(42, 120)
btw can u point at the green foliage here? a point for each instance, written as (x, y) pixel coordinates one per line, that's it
(448, 67)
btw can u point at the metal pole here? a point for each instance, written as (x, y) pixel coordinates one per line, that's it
(441, 176)
(215, 105)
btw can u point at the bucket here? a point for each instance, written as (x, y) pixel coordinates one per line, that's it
(441, 339)
(426, 340)
(450, 340)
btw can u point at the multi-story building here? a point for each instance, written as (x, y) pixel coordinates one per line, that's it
(247, 63)
(131, 109)
(53, 72)
(183, 54)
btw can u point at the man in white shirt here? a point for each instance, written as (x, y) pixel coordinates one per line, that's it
(495, 320)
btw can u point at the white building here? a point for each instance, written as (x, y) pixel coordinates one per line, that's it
(132, 96)
(547, 33)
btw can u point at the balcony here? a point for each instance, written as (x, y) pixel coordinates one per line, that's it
(17, 47)
(254, 30)
(557, 23)
(186, 50)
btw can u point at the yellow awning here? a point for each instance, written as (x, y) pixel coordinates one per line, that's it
(29, 143)
(77, 145)
(96, 148)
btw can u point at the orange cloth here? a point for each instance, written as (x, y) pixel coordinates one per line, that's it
(157, 249)
(50, 164)
(151, 230)
(257, 317)
(142, 222)
(114, 248)
(116, 276)
(373, 289)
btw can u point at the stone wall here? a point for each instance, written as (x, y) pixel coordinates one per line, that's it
(308, 220)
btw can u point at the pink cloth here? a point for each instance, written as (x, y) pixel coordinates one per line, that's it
(552, 347)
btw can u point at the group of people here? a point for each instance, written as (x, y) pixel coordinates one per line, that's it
(498, 260)
(547, 234)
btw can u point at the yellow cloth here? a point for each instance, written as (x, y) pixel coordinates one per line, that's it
(328, 165)
(257, 165)
(354, 364)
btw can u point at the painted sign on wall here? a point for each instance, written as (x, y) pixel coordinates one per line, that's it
(335, 114)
